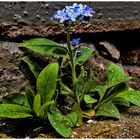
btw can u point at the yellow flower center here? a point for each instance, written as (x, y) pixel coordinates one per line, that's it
(71, 14)
(80, 9)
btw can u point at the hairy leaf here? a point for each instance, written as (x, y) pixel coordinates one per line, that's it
(44, 46)
(65, 89)
(44, 108)
(108, 109)
(33, 67)
(76, 108)
(89, 100)
(29, 98)
(132, 96)
(89, 85)
(37, 104)
(121, 101)
(86, 52)
(116, 75)
(113, 92)
(80, 87)
(46, 82)
(14, 111)
(72, 118)
(110, 88)
(14, 98)
(114, 72)
(60, 124)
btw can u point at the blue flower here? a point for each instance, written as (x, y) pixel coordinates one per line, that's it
(73, 6)
(75, 42)
(79, 9)
(87, 12)
(61, 15)
(78, 53)
(73, 13)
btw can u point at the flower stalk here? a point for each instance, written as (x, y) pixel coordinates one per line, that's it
(71, 56)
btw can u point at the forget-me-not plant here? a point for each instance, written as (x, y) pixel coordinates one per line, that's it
(89, 98)
(68, 16)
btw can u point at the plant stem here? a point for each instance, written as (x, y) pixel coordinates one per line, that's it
(71, 55)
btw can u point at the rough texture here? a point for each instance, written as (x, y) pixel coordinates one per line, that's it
(11, 78)
(31, 19)
(117, 24)
(126, 127)
(40, 12)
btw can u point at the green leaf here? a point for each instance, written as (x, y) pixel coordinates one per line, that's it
(34, 68)
(60, 124)
(44, 108)
(132, 96)
(114, 91)
(14, 111)
(109, 89)
(89, 85)
(121, 101)
(116, 74)
(14, 98)
(72, 118)
(65, 89)
(44, 46)
(81, 75)
(80, 87)
(46, 81)
(29, 98)
(89, 100)
(86, 52)
(37, 104)
(76, 108)
(108, 110)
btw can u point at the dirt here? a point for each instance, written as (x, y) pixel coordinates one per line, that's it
(16, 32)
(126, 127)
(11, 78)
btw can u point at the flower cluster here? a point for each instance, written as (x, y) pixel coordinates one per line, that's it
(73, 13)
(75, 43)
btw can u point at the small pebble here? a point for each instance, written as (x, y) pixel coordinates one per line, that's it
(9, 6)
(100, 15)
(47, 6)
(47, 13)
(90, 121)
(17, 17)
(43, 20)
(25, 13)
(38, 16)
(74, 133)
